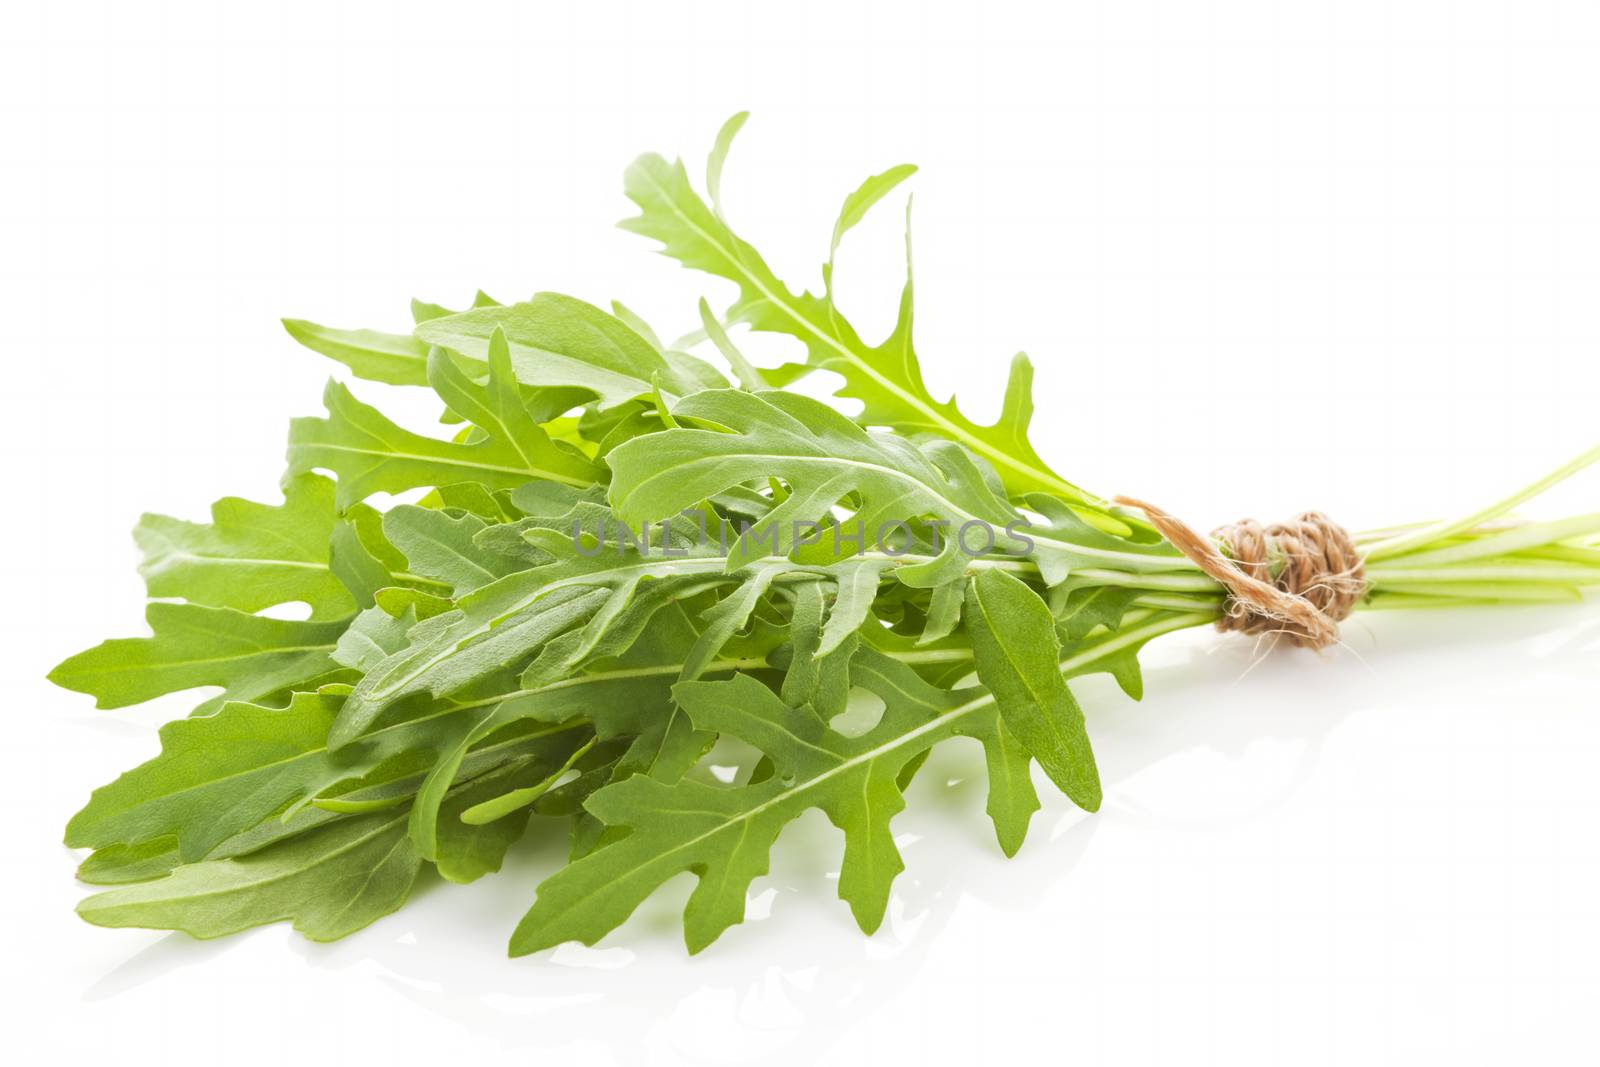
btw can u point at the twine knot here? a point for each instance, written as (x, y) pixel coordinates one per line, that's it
(1299, 578)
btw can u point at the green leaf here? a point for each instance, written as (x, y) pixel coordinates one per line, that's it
(499, 410)
(1084, 610)
(749, 377)
(330, 882)
(120, 864)
(1012, 799)
(724, 834)
(719, 156)
(251, 656)
(1017, 656)
(220, 774)
(887, 377)
(358, 570)
(729, 615)
(379, 357)
(632, 320)
(816, 678)
(370, 454)
(490, 631)
(558, 341)
(823, 458)
(422, 311)
(656, 829)
(944, 613)
(428, 824)
(856, 585)
(566, 612)
(465, 850)
(443, 548)
(483, 656)
(373, 636)
(629, 697)
(858, 203)
(251, 556)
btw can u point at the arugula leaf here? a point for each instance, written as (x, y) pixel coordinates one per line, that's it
(217, 775)
(251, 556)
(444, 547)
(820, 455)
(724, 834)
(565, 612)
(1015, 651)
(220, 774)
(943, 614)
(500, 410)
(121, 863)
(558, 341)
(728, 616)
(626, 696)
(330, 882)
(823, 458)
(1082, 611)
(251, 656)
(885, 377)
(466, 851)
(371, 454)
(817, 678)
(395, 359)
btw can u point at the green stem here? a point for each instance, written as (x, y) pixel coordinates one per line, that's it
(1506, 542)
(1487, 592)
(1427, 535)
(1490, 570)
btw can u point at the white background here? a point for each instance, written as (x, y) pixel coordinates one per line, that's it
(1266, 256)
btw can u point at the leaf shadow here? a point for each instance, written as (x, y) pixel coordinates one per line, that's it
(168, 954)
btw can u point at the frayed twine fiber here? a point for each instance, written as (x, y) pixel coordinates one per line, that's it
(1319, 580)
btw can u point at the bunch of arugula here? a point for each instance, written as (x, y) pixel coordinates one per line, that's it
(496, 659)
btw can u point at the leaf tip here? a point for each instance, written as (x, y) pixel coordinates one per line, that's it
(697, 941)
(532, 936)
(868, 916)
(97, 910)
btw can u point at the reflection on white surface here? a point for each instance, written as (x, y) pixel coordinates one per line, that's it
(768, 986)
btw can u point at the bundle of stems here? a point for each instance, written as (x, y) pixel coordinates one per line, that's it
(620, 555)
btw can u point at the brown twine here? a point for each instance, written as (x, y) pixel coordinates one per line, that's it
(1319, 575)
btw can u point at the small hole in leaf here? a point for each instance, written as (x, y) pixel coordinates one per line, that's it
(293, 611)
(571, 774)
(863, 712)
